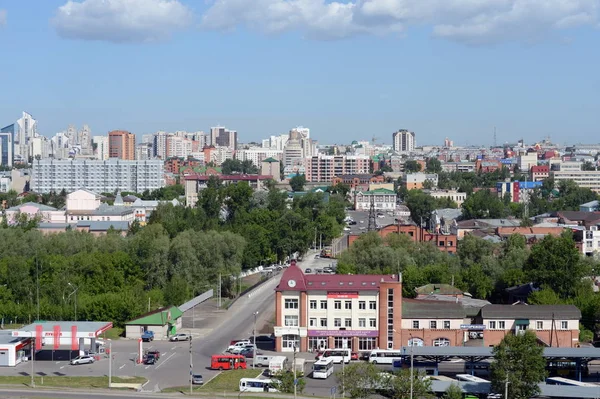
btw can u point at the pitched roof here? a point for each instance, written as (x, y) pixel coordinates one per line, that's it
(535, 312)
(158, 317)
(529, 231)
(270, 160)
(41, 207)
(379, 191)
(442, 289)
(424, 309)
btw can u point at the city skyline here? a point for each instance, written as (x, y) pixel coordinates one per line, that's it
(433, 71)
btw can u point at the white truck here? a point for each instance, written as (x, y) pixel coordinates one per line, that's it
(277, 364)
(299, 366)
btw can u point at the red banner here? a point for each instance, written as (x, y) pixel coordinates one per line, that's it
(38, 337)
(74, 339)
(56, 337)
(342, 295)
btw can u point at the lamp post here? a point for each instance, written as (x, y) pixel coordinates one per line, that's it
(191, 367)
(294, 366)
(254, 341)
(32, 343)
(412, 342)
(110, 364)
(74, 292)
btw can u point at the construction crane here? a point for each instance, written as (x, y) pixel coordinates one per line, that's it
(374, 139)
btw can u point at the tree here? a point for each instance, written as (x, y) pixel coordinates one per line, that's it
(587, 165)
(520, 361)
(297, 182)
(428, 184)
(399, 385)
(358, 380)
(341, 188)
(412, 166)
(283, 381)
(453, 392)
(482, 205)
(433, 165)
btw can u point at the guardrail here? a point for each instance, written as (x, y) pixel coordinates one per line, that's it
(196, 301)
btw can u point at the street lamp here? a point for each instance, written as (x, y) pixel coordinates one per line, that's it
(294, 367)
(74, 292)
(412, 343)
(254, 341)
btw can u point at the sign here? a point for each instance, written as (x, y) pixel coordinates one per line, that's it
(343, 333)
(333, 390)
(56, 337)
(281, 331)
(472, 327)
(342, 294)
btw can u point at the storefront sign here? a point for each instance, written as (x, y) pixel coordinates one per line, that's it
(343, 333)
(342, 295)
(477, 327)
(281, 331)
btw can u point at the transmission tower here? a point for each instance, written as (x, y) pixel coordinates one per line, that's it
(372, 218)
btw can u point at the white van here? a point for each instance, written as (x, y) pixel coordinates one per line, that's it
(322, 368)
(299, 366)
(262, 361)
(277, 364)
(338, 355)
(256, 385)
(385, 356)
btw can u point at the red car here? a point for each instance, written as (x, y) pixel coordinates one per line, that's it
(354, 356)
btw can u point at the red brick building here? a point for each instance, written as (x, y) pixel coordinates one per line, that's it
(357, 182)
(444, 242)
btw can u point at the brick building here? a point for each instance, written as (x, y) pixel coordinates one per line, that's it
(358, 182)
(121, 144)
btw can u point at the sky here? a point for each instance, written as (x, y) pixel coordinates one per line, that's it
(347, 69)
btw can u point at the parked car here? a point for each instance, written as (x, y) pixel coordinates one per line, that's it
(354, 356)
(85, 359)
(238, 350)
(156, 354)
(267, 339)
(197, 379)
(249, 352)
(238, 345)
(148, 336)
(317, 256)
(308, 270)
(179, 337)
(150, 359)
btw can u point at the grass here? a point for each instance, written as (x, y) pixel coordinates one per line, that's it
(71, 382)
(113, 333)
(226, 381)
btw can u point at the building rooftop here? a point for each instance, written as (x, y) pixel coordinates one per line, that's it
(103, 225)
(270, 160)
(441, 289)
(534, 312)
(158, 317)
(228, 177)
(425, 309)
(96, 327)
(41, 207)
(379, 191)
(107, 210)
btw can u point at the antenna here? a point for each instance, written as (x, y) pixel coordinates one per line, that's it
(372, 221)
(494, 136)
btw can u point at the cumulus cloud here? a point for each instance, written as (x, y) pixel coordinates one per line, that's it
(474, 21)
(2, 18)
(121, 21)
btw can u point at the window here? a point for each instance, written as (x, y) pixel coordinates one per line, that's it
(337, 304)
(323, 322)
(348, 305)
(539, 325)
(433, 324)
(501, 325)
(347, 322)
(337, 322)
(291, 304)
(372, 322)
(372, 305)
(313, 304)
(362, 305)
(362, 322)
(492, 325)
(441, 342)
(290, 341)
(323, 304)
(415, 324)
(312, 322)
(366, 343)
(291, 321)
(447, 324)
(564, 325)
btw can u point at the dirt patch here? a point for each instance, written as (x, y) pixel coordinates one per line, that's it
(267, 327)
(251, 280)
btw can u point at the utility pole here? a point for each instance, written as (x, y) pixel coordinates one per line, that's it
(254, 341)
(506, 387)
(110, 364)
(32, 356)
(37, 277)
(294, 366)
(343, 377)
(191, 366)
(412, 342)
(219, 293)
(148, 304)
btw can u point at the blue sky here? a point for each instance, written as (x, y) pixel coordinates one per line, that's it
(348, 70)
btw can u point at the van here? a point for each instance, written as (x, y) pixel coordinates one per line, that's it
(338, 355)
(277, 364)
(262, 360)
(299, 366)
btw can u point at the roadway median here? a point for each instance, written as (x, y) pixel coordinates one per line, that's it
(73, 382)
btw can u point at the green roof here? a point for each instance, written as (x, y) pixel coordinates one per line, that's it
(159, 317)
(270, 160)
(321, 188)
(379, 191)
(425, 309)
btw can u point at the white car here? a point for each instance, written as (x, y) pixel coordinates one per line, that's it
(179, 337)
(86, 359)
(237, 351)
(238, 345)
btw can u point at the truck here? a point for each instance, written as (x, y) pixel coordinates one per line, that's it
(277, 364)
(148, 336)
(299, 366)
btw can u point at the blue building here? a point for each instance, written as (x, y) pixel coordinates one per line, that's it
(7, 147)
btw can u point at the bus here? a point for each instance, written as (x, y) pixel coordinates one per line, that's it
(421, 367)
(256, 385)
(566, 381)
(470, 378)
(322, 368)
(227, 362)
(326, 253)
(385, 356)
(338, 355)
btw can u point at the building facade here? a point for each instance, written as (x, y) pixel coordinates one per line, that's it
(415, 181)
(323, 168)
(404, 141)
(101, 147)
(121, 145)
(383, 200)
(584, 179)
(453, 195)
(98, 176)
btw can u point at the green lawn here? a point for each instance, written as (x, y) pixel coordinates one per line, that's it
(71, 382)
(113, 333)
(226, 381)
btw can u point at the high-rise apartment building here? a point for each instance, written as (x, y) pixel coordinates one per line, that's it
(178, 146)
(101, 147)
(222, 137)
(7, 146)
(323, 168)
(257, 155)
(99, 176)
(121, 144)
(26, 130)
(404, 141)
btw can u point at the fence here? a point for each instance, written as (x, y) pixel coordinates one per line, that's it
(196, 301)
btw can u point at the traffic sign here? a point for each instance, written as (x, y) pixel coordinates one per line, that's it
(296, 381)
(333, 390)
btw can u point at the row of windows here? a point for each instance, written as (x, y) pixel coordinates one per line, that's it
(362, 305)
(433, 324)
(337, 322)
(539, 325)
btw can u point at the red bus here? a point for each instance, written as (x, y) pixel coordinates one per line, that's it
(227, 362)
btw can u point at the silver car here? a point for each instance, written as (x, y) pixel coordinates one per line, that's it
(86, 359)
(197, 379)
(179, 337)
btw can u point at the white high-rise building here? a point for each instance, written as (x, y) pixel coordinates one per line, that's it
(404, 141)
(160, 144)
(256, 155)
(39, 147)
(85, 140)
(26, 130)
(101, 147)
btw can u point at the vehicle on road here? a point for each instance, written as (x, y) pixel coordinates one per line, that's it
(322, 368)
(238, 345)
(299, 366)
(308, 270)
(227, 362)
(256, 385)
(384, 356)
(197, 379)
(150, 359)
(276, 364)
(239, 349)
(179, 337)
(262, 360)
(338, 355)
(148, 336)
(354, 356)
(249, 352)
(317, 256)
(85, 359)
(267, 339)
(156, 354)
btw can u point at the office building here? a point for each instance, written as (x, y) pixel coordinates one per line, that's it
(403, 141)
(323, 168)
(101, 147)
(583, 178)
(222, 137)
(415, 181)
(121, 145)
(26, 129)
(257, 155)
(99, 176)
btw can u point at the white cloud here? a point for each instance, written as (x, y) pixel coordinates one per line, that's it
(473, 21)
(2, 18)
(121, 21)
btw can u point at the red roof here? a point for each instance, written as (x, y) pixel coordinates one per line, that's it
(540, 169)
(338, 282)
(199, 177)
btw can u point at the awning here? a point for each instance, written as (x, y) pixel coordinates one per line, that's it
(522, 322)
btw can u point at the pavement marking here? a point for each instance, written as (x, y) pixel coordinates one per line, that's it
(173, 348)
(62, 367)
(166, 360)
(121, 367)
(146, 368)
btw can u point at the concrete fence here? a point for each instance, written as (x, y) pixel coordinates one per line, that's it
(196, 301)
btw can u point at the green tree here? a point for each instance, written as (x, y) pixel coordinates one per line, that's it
(341, 188)
(482, 205)
(412, 166)
(283, 381)
(520, 361)
(453, 392)
(587, 165)
(399, 385)
(297, 182)
(358, 380)
(433, 165)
